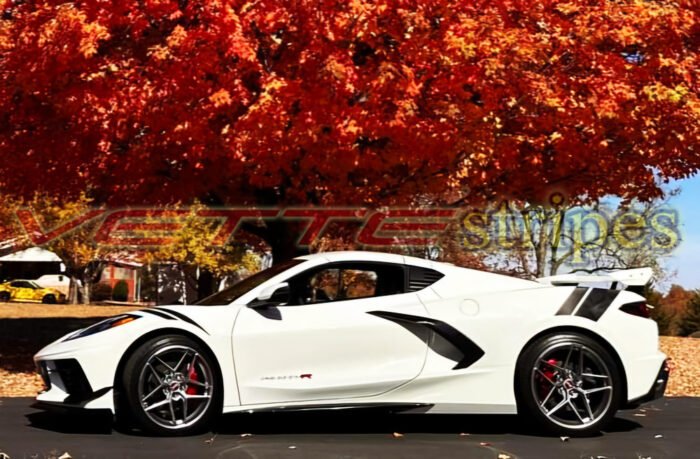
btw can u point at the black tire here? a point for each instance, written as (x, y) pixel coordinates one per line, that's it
(158, 373)
(4, 297)
(560, 392)
(49, 299)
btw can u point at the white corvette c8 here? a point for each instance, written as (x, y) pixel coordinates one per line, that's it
(362, 329)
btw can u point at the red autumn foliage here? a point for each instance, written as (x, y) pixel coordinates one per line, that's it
(347, 101)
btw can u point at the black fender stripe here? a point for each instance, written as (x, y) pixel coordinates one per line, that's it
(160, 314)
(470, 350)
(588, 302)
(596, 303)
(182, 317)
(572, 301)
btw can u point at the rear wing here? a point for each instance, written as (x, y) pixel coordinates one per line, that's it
(638, 277)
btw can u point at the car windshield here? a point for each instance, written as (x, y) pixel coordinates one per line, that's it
(230, 294)
(34, 284)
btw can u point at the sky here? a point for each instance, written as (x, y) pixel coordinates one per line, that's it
(685, 260)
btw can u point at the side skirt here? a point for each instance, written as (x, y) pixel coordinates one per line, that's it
(338, 407)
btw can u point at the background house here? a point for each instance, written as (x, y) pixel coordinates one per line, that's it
(129, 273)
(30, 263)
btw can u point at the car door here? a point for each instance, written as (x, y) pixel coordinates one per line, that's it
(327, 343)
(22, 291)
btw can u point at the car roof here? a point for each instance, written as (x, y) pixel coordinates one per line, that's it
(365, 255)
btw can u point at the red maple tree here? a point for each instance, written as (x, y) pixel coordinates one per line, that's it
(370, 102)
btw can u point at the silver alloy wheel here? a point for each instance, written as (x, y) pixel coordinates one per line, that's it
(572, 385)
(175, 387)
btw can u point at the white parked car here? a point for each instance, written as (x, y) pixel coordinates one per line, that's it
(60, 282)
(362, 329)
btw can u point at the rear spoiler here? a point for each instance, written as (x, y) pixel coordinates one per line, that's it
(638, 277)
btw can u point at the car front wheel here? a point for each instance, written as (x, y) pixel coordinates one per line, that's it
(569, 384)
(49, 299)
(172, 386)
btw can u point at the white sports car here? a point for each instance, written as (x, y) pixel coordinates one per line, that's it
(361, 329)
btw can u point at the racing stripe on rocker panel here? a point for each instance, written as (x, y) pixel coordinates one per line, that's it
(596, 303)
(470, 350)
(572, 301)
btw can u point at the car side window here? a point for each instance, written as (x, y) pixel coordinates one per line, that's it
(18, 284)
(323, 286)
(358, 283)
(347, 281)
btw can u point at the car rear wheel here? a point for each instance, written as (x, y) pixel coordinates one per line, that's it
(4, 297)
(49, 299)
(569, 384)
(172, 387)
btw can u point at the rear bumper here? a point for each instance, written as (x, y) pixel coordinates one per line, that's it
(657, 389)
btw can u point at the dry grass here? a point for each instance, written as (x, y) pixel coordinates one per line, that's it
(25, 328)
(684, 354)
(43, 311)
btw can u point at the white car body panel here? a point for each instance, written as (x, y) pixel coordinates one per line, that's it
(325, 351)
(349, 357)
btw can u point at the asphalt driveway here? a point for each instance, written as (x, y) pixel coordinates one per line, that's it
(668, 428)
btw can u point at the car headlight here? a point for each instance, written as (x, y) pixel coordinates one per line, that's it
(106, 324)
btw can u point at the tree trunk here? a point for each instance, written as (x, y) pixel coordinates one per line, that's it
(87, 288)
(281, 236)
(73, 290)
(206, 284)
(541, 248)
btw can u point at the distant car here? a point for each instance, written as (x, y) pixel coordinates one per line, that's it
(346, 330)
(29, 291)
(59, 282)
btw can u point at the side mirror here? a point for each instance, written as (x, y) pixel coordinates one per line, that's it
(274, 295)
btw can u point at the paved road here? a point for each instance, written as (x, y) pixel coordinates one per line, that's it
(667, 428)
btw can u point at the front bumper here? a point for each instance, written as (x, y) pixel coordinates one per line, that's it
(657, 389)
(66, 385)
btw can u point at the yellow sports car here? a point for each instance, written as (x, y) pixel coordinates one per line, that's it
(30, 291)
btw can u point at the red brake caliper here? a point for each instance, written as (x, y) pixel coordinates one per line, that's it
(192, 375)
(548, 371)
